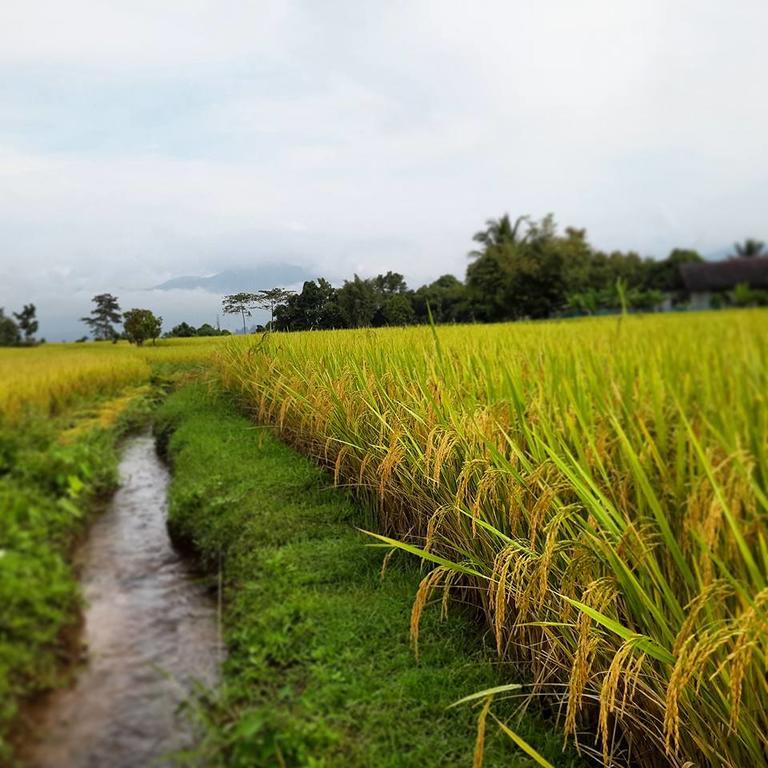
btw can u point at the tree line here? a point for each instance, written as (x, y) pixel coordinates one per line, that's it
(19, 328)
(139, 325)
(519, 269)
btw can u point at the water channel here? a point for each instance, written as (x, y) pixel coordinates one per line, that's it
(150, 636)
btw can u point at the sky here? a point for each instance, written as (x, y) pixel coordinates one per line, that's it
(144, 141)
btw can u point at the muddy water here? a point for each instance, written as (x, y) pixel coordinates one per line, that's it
(151, 634)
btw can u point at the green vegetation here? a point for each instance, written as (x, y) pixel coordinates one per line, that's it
(185, 331)
(320, 671)
(103, 318)
(52, 476)
(20, 331)
(521, 269)
(140, 325)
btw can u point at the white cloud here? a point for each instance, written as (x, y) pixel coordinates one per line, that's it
(144, 140)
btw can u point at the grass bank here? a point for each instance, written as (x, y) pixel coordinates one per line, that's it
(53, 476)
(320, 671)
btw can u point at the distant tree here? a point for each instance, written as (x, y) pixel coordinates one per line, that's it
(397, 309)
(394, 301)
(313, 308)
(446, 298)
(9, 331)
(391, 283)
(358, 302)
(665, 275)
(645, 301)
(586, 302)
(486, 286)
(27, 323)
(241, 304)
(521, 276)
(206, 329)
(271, 299)
(183, 331)
(577, 260)
(750, 248)
(140, 325)
(498, 232)
(330, 315)
(103, 317)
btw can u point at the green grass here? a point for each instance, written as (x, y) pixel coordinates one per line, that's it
(53, 474)
(320, 671)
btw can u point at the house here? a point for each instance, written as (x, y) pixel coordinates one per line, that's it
(707, 282)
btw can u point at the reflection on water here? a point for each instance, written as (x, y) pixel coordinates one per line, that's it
(150, 630)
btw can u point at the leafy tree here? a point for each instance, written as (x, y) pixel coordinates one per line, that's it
(391, 283)
(27, 322)
(140, 325)
(183, 331)
(586, 302)
(241, 304)
(446, 298)
(206, 329)
(665, 275)
(750, 248)
(9, 331)
(358, 302)
(486, 286)
(330, 313)
(521, 276)
(645, 301)
(271, 299)
(103, 317)
(394, 301)
(535, 275)
(309, 309)
(397, 309)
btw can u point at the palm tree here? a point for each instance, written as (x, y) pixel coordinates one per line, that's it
(750, 248)
(497, 232)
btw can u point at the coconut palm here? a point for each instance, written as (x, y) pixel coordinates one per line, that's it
(497, 232)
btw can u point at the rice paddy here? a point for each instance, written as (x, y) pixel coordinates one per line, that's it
(597, 488)
(45, 380)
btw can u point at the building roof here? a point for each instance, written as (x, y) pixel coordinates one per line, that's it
(725, 275)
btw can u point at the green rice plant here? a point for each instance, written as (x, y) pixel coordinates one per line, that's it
(600, 492)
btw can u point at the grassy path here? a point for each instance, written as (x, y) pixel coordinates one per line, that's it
(320, 671)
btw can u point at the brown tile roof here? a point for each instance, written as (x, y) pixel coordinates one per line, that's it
(725, 275)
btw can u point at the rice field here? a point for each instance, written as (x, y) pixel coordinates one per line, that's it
(597, 488)
(47, 379)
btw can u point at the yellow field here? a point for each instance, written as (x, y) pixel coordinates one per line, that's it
(599, 488)
(48, 378)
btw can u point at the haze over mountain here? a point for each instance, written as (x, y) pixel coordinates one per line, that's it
(237, 280)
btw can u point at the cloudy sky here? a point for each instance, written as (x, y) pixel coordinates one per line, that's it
(143, 140)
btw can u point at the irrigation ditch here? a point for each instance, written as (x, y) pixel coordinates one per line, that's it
(149, 633)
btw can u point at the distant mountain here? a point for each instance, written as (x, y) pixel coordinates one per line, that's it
(236, 280)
